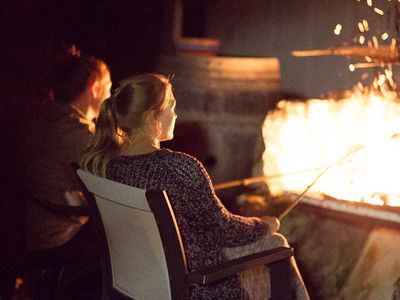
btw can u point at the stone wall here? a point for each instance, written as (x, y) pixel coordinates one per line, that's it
(340, 256)
(221, 104)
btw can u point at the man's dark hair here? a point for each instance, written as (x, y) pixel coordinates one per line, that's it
(72, 75)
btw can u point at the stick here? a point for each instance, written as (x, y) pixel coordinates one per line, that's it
(247, 181)
(299, 197)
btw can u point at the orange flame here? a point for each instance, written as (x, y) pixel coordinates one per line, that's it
(360, 135)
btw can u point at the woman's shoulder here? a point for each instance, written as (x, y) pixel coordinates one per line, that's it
(178, 157)
(164, 160)
(183, 166)
(183, 163)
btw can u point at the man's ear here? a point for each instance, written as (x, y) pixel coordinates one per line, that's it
(93, 88)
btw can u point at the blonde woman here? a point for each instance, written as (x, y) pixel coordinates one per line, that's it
(126, 148)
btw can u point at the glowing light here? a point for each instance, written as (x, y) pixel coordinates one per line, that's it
(385, 36)
(368, 59)
(388, 73)
(378, 11)
(381, 79)
(375, 41)
(361, 39)
(352, 67)
(361, 27)
(369, 2)
(389, 76)
(338, 28)
(365, 24)
(393, 43)
(18, 283)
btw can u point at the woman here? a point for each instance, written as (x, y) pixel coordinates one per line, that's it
(126, 148)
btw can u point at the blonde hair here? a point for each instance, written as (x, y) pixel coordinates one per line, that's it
(122, 115)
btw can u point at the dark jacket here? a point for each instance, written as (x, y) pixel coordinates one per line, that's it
(53, 137)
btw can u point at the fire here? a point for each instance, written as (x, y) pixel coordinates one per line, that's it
(357, 138)
(349, 148)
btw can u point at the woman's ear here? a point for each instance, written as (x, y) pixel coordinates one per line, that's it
(153, 117)
(152, 123)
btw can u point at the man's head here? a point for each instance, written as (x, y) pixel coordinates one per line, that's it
(82, 81)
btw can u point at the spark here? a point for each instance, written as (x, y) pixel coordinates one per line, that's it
(385, 36)
(352, 67)
(338, 28)
(368, 59)
(365, 23)
(369, 2)
(361, 27)
(375, 41)
(378, 11)
(381, 80)
(393, 43)
(361, 39)
(375, 84)
(389, 73)
(389, 76)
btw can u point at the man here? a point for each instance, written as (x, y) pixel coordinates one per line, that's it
(54, 137)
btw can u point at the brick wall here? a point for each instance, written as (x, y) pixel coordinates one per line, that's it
(221, 104)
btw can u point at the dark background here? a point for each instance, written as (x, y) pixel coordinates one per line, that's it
(128, 35)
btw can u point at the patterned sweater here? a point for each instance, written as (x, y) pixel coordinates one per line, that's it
(205, 224)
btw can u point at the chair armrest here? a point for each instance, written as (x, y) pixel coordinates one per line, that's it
(234, 266)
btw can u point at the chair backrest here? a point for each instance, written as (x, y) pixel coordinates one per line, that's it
(145, 254)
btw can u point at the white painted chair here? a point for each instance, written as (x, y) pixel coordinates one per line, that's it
(143, 256)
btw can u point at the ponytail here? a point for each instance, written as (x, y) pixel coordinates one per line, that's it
(122, 117)
(104, 144)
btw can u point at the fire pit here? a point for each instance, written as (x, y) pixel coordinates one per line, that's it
(356, 137)
(346, 228)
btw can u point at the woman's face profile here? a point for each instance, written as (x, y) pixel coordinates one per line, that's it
(167, 120)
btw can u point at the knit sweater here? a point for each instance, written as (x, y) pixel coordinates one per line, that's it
(206, 226)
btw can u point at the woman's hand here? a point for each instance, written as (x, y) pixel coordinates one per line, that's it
(273, 223)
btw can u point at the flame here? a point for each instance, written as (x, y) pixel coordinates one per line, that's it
(358, 136)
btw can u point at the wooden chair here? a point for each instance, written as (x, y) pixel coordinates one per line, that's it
(143, 256)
